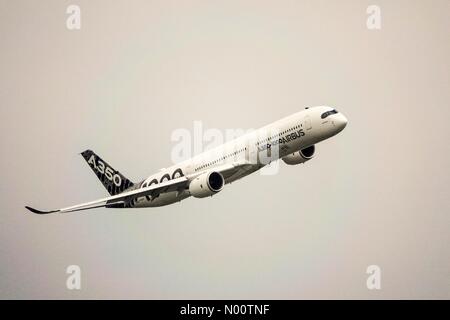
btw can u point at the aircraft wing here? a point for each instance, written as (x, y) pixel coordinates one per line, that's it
(121, 198)
(229, 172)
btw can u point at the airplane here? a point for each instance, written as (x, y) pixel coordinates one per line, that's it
(291, 139)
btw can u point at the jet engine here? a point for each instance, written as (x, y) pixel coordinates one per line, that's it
(206, 184)
(300, 156)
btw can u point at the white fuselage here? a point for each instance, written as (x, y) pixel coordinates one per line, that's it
(259, 147)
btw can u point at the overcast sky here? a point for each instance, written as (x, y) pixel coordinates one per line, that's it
(376, 194)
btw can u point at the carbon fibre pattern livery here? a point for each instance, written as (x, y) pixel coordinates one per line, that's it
(111, 179)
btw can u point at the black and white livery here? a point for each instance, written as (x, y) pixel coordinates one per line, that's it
(291, 139)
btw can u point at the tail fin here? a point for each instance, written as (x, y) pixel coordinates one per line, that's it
(112, 180)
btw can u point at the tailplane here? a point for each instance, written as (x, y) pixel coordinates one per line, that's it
(111, 179)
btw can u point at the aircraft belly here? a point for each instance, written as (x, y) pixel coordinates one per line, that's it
(241, 174)
(162, 200)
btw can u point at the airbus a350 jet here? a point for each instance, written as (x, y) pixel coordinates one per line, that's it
(292, 139)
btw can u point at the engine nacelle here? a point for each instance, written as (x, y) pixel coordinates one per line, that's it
(206, 185)
(300, 156)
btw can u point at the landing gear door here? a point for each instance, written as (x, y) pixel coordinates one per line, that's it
(307, 123)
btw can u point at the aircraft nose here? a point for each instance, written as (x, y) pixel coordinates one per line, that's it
(343, 121)
(340, 122)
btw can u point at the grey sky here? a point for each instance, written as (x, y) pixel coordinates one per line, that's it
(375, 194)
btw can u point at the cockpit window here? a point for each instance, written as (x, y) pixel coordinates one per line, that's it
(328, 113)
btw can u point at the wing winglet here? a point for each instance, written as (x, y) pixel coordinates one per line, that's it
(39, 211)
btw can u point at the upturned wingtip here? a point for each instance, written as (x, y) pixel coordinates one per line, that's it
(39, 211)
